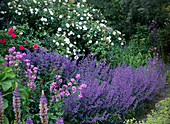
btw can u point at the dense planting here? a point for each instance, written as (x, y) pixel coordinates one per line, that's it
(80, 70)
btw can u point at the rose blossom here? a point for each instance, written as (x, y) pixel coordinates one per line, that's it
(10, 30)
(3, 40)
(13, 36)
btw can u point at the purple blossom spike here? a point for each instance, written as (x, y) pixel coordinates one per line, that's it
(43, 108)
(29, 121)
(59, 120)
(1, 110)
(17, 105)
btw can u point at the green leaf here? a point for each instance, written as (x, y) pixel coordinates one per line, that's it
(24, 95)
(5, 102)
(8, 70)
(6, 84)
(53, 117)
(10, 75)
(6, 120)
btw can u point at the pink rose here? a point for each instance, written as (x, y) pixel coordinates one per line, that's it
(35, 46)
(13, 36)
(3, 40)
(10, 30)
(21, 47)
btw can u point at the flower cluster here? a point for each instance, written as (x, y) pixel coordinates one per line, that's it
(17, 105)
(10, 31)
(1, 110)
(43, 109)
(13, 59)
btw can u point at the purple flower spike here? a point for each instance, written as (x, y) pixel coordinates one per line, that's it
(43, 108)
(29, 121)
(59, 120)
(17, 105)
(1, 110)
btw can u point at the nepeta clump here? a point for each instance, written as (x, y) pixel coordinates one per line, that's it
(49, 65)
(111, 93)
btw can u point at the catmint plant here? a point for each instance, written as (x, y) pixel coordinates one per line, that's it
(1, 109)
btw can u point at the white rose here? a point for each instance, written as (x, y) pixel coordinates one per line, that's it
(62, 44)
(122, 43)
(59, 29)
(119, 38)
(112, 44)
(57, 43)
(60, 16)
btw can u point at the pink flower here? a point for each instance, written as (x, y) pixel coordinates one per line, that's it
(65, 86)
(62, 93)
(3, 40)
(13, 36)
(67, 93)
(153, 53)
(21, 47)
(73, 88)
(52, 98)
(10, 30)
(43, 47)
(155, 48)
(56, 100)
(32, 66)
(69, 84)
(28, 64)
(72, 79)
(78, 76)
(58, 95)
(83, 85)
(33, 77)
(60, 81)
(35, 46)
(80, 96)
(60, 89)
(157, 54)
(58, 77)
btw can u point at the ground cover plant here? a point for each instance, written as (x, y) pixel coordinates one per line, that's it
(88, 72)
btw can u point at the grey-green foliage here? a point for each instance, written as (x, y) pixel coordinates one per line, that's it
(159, 116)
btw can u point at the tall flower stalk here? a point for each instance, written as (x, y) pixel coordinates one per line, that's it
(43, 108)
(29, 121)
(17, 105)
(1, 110)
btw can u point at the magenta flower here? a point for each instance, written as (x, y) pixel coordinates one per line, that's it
(83, 85)
(69, 84)
(52, 98)
(65, 86)
(72, 79)
(10, 30)
(78, 76)
(58, 76)
(60, 81)
(62, 93)
(28, 64)
(80, 96)
(58, 95)
(33, 77)
(73, 88)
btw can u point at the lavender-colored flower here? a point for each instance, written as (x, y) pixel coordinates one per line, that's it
(29, 121)
(33, 77)
(17, 105)
(43, 108)
(59, 120)
(1, 110)
(72, 79)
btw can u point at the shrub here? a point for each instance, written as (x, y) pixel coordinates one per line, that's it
(117, 90)
(79, 29)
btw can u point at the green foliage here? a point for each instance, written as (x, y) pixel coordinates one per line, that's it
(159, 115)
